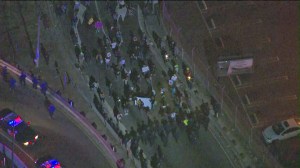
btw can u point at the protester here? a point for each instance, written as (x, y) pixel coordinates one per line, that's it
(22, 78)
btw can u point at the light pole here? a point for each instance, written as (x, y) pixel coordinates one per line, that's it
(13, 140)
(13, 144)
(37, 54)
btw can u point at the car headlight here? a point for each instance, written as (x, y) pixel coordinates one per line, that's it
(26, 143)
(36, 137)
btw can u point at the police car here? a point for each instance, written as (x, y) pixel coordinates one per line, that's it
(47, 162)
(13, 124)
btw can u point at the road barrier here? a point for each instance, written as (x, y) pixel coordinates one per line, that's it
(8, 153)
(92, 133)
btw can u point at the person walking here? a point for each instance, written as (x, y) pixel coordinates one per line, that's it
(22, 78)
(132, 133)
(12, 84)
(108, 84)
(51, 110)
(44, 87)
(71, 103)
(116, 112)
(126, 138)
(34, 82)
(50, 107)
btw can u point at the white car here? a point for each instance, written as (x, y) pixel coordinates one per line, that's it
(282, 130)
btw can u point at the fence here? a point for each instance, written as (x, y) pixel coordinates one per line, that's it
(231, 105)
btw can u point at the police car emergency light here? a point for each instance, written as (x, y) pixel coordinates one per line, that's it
(53, 163)
(47, 162)
(15, 122)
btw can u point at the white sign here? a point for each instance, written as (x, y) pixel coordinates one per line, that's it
(113, 45)
(145, 69)
(145, 100)
(238, 65)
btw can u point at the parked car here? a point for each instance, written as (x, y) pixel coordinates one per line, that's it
(282, 130)
(13, 124)
(47, 162)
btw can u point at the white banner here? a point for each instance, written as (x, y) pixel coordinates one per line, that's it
(237, 65)
(145, 100)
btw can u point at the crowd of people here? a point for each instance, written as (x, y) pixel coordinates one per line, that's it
(173, 102)
(172, 112)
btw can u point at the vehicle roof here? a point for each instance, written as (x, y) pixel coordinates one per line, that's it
(44, 159)
(25, 132)
(13, 120)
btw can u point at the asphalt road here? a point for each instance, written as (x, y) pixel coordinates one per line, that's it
(60, 137)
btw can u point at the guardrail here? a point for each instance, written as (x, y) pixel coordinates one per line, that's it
(94, 135)
(8, 153)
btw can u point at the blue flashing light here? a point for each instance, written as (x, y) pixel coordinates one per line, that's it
(53, 163)
(15, 122)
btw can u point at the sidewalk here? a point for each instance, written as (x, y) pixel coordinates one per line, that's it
(239, 149)
(218, 127)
